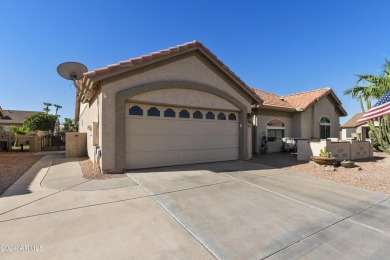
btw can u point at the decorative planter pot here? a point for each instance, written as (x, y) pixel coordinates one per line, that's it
(347, 164)
(323, 160)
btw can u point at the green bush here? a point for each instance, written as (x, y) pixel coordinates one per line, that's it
(40, 121)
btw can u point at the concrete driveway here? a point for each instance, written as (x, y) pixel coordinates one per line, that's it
(228, 210)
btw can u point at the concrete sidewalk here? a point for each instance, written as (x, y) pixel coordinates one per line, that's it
(52, 174)
(69, 217)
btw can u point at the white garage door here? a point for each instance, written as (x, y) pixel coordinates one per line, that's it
(162, 136)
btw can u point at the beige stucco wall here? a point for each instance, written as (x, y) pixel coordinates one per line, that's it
(307, 123)
(263, 118)
(310, 119)
(342, 150)
(188, 69)
(185, 98)
(88, 115)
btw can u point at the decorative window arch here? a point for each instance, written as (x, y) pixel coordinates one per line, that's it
(197, 115)
(324, 128)
(169, 112)
(136, 111)
(153, 111)
(184, 114)
(275, 130)
(210, 115)
(221, 116)
(232, 117)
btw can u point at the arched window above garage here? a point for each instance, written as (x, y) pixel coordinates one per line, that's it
(136, 111)
(221, 116)
(153, 111)
(210, 115)
(197, 115)
(184, 114)
(232, 117)
(169, 112)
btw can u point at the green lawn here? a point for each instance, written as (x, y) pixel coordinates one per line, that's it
(26, 147)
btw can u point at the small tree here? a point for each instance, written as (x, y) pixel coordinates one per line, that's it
(47, 109)
(41, 121)
(373, 89)
(70, 125)
(17, 131)
(57, 107)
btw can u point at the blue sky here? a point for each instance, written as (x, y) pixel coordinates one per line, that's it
(282, 47)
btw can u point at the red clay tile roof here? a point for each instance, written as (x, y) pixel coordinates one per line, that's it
(304, 99)
(272, 100)
(298, 101)
(351, 123)
(123, 65)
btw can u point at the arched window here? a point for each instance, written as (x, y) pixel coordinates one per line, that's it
(169, 112)
(232, 117)
(210, 115)
(197, 115)
(184, 114)
(136, 111)
(324, 127)
(275, 130)
(153, 111)
(221, 116)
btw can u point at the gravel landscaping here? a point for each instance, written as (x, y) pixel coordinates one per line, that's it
(93, 173)
(369, 174)
(13, 165)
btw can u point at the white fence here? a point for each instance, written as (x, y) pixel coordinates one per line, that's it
(342, 150)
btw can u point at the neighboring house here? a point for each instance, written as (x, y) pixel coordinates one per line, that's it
(313, 114)
(352, 130)
(13, 117)
(181, 105)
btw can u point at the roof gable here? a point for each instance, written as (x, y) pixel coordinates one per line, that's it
(303, 100)
(15, 116)
(351, 123)
(299, 101)
(92, 77)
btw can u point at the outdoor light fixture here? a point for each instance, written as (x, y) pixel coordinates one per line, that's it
(250, 117)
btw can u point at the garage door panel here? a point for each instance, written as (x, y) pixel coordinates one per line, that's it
(183, 127)
(221, 154)
(162, 141)
(151, 143)
(183, 142)
(222, 142)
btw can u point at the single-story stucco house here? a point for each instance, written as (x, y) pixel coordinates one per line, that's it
(13, 118)
(352, 130)
(182, 105)
(177, 106)
(313, 114)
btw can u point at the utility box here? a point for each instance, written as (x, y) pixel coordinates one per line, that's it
(95, 133)
(76, 144)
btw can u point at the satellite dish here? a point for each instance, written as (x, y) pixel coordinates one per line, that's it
(71, 70)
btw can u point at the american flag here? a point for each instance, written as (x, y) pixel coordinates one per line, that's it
(381, 108)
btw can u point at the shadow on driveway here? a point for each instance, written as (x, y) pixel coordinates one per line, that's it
(276, 160)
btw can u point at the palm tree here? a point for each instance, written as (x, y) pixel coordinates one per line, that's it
(47, 109)
(373, 89)
(17, 131)
(57, 107)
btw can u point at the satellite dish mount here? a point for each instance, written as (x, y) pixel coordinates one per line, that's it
(72, 71)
